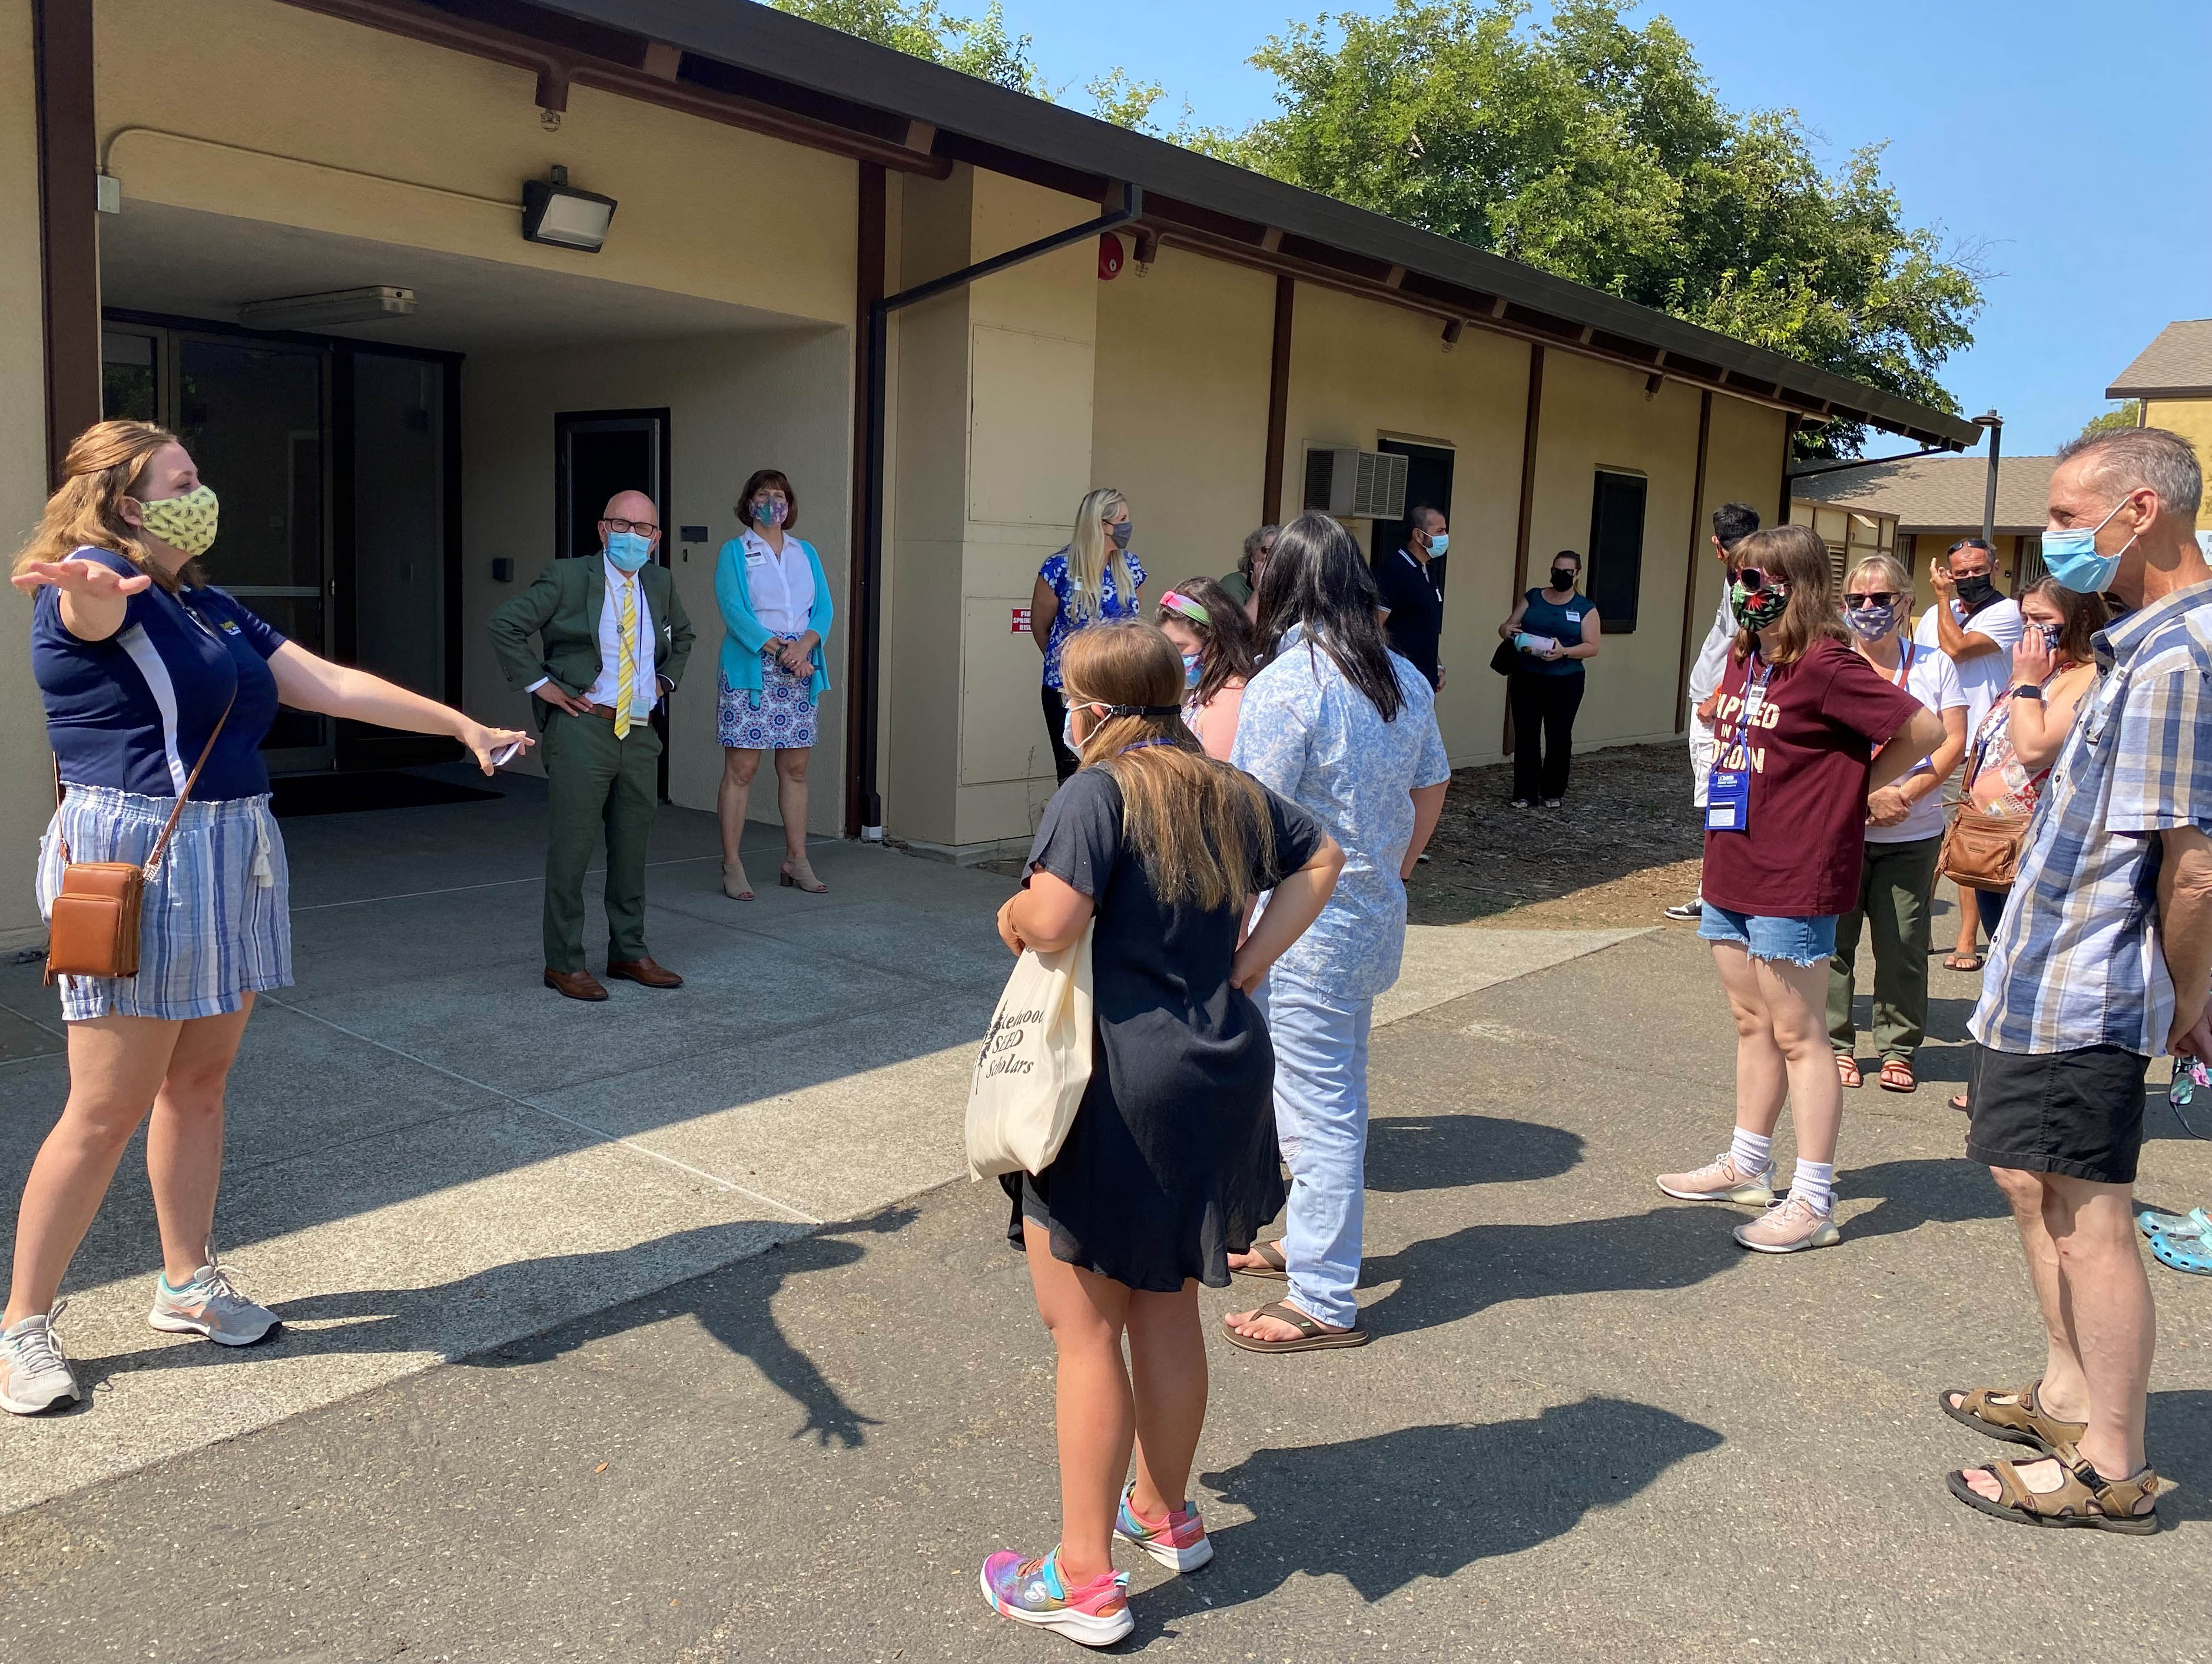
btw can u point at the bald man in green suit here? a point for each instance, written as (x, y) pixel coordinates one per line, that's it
(611, 639)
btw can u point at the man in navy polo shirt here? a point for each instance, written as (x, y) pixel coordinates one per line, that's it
(1412, 605)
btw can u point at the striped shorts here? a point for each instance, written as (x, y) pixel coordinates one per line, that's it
(217, 922)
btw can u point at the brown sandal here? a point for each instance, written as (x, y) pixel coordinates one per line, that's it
(1847, 1069)
(2085, 1497)
(2015, 1417)
(1312, 1334)
(1276, 1270)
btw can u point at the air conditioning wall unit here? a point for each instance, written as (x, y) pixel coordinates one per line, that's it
(1358, 485)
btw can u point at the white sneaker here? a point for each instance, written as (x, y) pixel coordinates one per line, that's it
(1719, 1180)
(209, 1305)
(35, 1371)
(1788, 1226)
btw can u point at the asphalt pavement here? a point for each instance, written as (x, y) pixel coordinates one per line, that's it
(1589, 1428)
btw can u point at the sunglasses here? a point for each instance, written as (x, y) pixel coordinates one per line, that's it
(1753, 580)
(1872, 598)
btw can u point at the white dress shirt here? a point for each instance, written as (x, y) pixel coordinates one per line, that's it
(780, 587)
(645, 693)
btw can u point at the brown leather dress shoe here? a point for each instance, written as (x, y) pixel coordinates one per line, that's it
(576, 984)
(646, 971)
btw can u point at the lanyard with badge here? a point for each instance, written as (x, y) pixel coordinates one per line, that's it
(1727, 791)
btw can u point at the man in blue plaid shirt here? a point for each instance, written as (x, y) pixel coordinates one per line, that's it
(2102, 961)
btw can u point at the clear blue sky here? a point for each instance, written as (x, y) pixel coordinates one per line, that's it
(2071, 141)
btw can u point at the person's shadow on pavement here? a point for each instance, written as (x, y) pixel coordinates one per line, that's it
(1445, 1152)
(1422, 1502)
(733, 1303)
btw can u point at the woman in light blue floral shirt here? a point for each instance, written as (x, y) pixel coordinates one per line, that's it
(1347, 730)
(1094, 577)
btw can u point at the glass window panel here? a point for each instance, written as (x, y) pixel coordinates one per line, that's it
(129, 386)
(250, 412)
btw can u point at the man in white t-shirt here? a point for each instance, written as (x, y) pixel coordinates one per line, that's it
(1732, 523)
(1904, 835)
(1978, 628)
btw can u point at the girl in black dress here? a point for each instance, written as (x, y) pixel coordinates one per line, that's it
(1171, 1164)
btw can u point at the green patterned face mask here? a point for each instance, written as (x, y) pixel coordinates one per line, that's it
(185, 523)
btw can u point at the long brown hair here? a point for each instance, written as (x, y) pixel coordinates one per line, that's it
(102, 469)
(1201, 827)
(1224, 639)
(2084, 615)
(1799, 557)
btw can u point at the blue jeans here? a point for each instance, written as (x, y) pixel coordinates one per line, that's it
(1321, 1121)
(1803, 942)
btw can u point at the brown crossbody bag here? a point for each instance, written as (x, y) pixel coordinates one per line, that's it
(1979, 851)
(93, 929)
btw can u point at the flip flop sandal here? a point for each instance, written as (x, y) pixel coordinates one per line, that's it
(1276, 1270)
(1963, 962)
(1894, 1069)
(2023, 1421)
(2087, 1497)
(2190, 1254)
(1312, 1336)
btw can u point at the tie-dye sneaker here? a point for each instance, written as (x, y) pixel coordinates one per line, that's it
(1032, 1592)
(1178, 1542)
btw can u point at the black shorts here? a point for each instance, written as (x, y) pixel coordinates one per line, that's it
(2077, 1113)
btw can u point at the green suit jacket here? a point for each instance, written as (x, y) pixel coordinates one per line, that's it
(561, 609)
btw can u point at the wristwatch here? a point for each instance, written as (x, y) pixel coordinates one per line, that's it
(2028, 690)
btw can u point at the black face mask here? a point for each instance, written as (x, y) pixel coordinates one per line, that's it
(1563, 577)
(1976, 588)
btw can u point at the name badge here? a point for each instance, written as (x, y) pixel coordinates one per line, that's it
(1728, 800)
(752, 559)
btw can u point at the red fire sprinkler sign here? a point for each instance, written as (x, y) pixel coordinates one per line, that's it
(1021, 621)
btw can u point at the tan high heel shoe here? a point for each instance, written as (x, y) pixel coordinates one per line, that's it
(735, 884)
(803, 877)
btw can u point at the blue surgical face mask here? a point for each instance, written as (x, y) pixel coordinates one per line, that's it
(1439, 544)
(1193, 668)
(1120, 530)
(2071, 557)
(1067, 730)
(628, 550)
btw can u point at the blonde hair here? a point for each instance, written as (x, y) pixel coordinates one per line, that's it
(1797, 556)
(102, 466)
(1201, 827)
(1092, 554)
(1894, 574)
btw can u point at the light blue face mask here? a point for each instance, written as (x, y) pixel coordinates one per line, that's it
(628, 550)
(1193, 668)
(2071, 556)
(1067, 730)
(1439, 544)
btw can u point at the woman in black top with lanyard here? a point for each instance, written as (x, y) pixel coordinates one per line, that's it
(1556, 631)
(150, 675)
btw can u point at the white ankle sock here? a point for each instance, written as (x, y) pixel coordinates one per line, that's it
(1814, 1185)
(1753, 1155)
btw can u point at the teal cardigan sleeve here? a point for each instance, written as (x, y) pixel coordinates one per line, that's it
(746, 635)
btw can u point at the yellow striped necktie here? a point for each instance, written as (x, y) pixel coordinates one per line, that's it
(626, 674)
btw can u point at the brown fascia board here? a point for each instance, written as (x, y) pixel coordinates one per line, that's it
(778, 46)
(2158, 393)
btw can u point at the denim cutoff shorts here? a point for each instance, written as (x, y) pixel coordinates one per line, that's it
(1801, 941)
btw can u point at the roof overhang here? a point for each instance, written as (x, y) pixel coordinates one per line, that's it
(2123, 389)
(751, 65)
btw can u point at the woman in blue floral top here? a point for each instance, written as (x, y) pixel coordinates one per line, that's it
(1094, 577)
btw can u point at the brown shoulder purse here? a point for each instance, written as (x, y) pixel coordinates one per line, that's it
(93, 930)
(1979, 851)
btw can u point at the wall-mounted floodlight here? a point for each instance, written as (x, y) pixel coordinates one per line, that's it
(554, 211)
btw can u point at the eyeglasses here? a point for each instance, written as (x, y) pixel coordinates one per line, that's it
(643, 528)
(1872, 598)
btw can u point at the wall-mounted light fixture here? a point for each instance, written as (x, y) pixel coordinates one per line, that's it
(1453, 328)
(554, 211)
(330, 307)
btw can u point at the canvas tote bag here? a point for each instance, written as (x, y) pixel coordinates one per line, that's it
(1035, 1061)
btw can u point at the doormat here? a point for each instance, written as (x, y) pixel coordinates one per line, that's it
(372, 788)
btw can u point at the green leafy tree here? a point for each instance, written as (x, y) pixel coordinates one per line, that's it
(1598, 150)
(2127, 413)
(980, 46)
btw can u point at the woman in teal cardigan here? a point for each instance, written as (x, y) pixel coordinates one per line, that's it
(775, 604)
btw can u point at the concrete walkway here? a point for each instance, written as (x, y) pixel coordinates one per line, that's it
(430, 1154)
(1590, 1428)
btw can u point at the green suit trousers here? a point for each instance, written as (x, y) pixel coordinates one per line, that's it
(595, 783)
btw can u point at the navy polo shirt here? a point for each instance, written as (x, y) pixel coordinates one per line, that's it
(1416, 622)
(134, 711)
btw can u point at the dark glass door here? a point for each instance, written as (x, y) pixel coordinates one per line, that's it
(1428, 485)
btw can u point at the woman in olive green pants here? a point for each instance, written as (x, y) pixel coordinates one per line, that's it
(1903, 833)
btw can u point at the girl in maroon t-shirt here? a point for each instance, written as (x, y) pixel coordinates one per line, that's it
(1800, 717)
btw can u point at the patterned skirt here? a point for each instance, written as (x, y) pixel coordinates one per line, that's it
(215, 923)
(779, 718)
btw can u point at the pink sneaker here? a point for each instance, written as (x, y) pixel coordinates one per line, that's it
(1032, 1592)
(1178, 1542)
(1719, 1180)
(1788, 1226)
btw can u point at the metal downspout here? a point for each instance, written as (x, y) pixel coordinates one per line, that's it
(880, 312)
